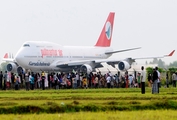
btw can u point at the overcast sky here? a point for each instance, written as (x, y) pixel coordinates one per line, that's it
(150, 24)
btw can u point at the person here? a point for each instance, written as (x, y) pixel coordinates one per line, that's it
(96, 81)
(60, 81)
(39, 80)
(21, 80)
(149, 79)
(32, 81)
(43, 78)
(135, 83)
(74, 82)
(51, 83)
(69, 80)
(174, 79)
(8, 80)
(1, 76)
(17, 82)
(27, 81)
(89, 79)
(46, 82)
(12, 80)
(139, 81)
(108, 79)
(130, 80)
(167, 80)
(154, 81)
(143, 79)
(116, 80)
(126, 79)
(55, 80)
(5, 79)
(84, 82)
(77, 79)
(158, 82)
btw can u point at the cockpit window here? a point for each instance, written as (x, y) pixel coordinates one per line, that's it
(26, 45)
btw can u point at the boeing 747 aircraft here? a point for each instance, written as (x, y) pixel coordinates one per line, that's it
(48, 56)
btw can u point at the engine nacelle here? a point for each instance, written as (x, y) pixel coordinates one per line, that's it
(20, 70)
(86, 68)
(124, 65)
(11, 67)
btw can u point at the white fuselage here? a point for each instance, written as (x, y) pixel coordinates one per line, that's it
(41, 55)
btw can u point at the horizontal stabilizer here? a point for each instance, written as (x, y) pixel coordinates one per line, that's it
(8, 57)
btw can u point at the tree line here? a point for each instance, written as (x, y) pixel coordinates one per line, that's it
(160, 63)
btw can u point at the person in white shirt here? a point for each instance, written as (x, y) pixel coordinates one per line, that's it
(108, 79)
(27, 81)
(96, 81)
(77, 79)
(143, 80)
(130, 80)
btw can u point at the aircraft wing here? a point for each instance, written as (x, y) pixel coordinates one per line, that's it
(133, 59)
(129, 61)
(122, 50)
(123, 64)
(168, 55)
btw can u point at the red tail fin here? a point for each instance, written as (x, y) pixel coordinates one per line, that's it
(106, 34)
(6, 55)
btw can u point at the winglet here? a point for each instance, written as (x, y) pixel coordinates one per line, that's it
(171, 54)
(6, 55)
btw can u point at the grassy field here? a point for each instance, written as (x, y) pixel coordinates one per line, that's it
(119, 115)
(93, 103)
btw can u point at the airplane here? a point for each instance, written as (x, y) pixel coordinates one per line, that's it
(49, 56)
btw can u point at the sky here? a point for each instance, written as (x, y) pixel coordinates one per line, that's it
(149, 24)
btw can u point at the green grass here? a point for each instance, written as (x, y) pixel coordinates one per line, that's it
(118, 115)
(88, 104)
(85, 100)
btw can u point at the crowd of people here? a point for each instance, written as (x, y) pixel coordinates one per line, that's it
(31, 81)
(54, 80)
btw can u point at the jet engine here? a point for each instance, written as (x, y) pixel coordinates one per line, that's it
(11, 67)
(124, 65)
(86, 68)
(20, 70)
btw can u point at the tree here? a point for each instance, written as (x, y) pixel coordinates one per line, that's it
(173, 64)
(161, 63)
(155, 61)
(3, 66)
(150, 70)
(170, 72)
